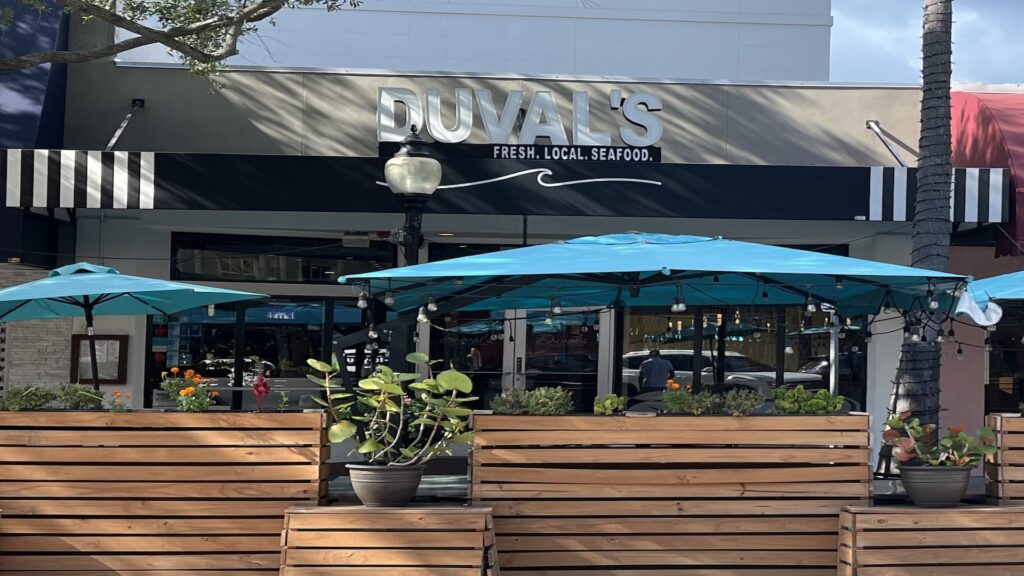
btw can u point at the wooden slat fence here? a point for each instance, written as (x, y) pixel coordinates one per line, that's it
(153, 493)
(420, 541)
(707, 496)
(909, 541)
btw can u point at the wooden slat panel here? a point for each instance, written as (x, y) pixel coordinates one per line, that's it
(390, 519)
(938, 520)
(379, 539)
(751, 490)
(154, 455)
(670, 455)
(185, 438)
(669, 508)
(159, 508)
(925, 538)
(73, 526)
(146, 419)
(1012, 423)
(984, 555)
(682, 526)
(141, 562)
(667, 558)
(392, 557)
(154, 544)
(361, 571)
(987, 570)
(670, 542)
(672, 477)
(690, 571)
(142, 473)
(642, 437)
(208, 490)
(482, 422)
(256, 572)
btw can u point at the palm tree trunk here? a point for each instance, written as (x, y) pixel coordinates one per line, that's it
(917, 380)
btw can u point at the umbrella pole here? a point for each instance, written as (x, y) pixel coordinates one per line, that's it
(92, 344)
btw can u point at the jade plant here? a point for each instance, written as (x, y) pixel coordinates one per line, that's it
(397, 419)
(543, 401)
(511, 402)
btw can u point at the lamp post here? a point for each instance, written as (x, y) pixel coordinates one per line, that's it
(413, 175)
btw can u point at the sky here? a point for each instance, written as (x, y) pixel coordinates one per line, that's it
(880, 41)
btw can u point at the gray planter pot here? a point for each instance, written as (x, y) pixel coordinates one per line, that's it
(936, 486)
(379, 486)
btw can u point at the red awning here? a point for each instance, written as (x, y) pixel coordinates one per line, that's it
(988, 131)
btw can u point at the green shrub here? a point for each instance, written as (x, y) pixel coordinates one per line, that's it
(26, 398)
(511, 402)
(677, 401)
(609, 404)
(79, 397)
(741, 402)
(706, 403)
(799, 401)
(548, 402)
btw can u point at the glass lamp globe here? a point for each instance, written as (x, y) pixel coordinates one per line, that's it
(413, 171)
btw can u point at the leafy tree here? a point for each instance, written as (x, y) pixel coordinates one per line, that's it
(202, 33)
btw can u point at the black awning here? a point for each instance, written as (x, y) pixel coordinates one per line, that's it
(170, 181)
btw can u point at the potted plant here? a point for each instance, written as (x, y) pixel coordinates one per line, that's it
(399, 422)
(936, 475)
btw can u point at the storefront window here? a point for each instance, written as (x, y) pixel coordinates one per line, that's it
(750, 346)
(273, 259)
(473, 343)
(1004, 392)
(563, 352)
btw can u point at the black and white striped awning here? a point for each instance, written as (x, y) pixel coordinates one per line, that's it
(279, 183)
(979, 195)
(78, 179)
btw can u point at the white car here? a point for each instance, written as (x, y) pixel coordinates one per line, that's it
(739, 369)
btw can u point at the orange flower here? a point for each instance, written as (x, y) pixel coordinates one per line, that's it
(187, 391)
(673, 385)
(190, 373)
(116, 393)
(197, 379)
(175, 370)
(215, 393)
(957, 429)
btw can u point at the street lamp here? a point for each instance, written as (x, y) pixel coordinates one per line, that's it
(413, 175)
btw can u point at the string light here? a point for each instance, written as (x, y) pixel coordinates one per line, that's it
(839, 284)
(432, 304)
(941, 336)
(678, 305)
(867, 337)
(959, 352)
(556, 305)
(812, 305)
(549, 318)
(372, 333)
(389, 298)
(764, 295)
(362, 304)
(988, 344)
(421, 316)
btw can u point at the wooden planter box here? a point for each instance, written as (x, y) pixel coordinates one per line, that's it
(1005, 477)
(420, 541)
(107, 494)
(727, 496)
(908, 541)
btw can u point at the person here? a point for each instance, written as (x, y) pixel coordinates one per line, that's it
(475, 359)
(655, 371)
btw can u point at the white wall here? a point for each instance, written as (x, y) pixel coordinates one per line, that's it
(697, 39)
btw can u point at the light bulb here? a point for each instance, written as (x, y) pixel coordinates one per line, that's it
(549, 319)
(867, 337)
(839, 284)
(812, 305)
(988, 344)
(458, 281)
(933, 304)
(372, 333)
(362, 303)
(556, 306)
(679, 305)
(941, 336)
(389, 298)
(764, 295)
(959, 353)
(211, 310)
(887, 310)
(421, 316)
(584, 329)
(756, 335)
(991, 328)
(789, 350)
(431, 304)
(951, 334)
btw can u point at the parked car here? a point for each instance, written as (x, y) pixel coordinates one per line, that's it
(738, 368)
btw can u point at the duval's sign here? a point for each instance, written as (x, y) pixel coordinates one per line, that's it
(536, 129)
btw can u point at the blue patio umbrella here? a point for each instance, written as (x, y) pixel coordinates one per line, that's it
(89, 290)
(636, 269)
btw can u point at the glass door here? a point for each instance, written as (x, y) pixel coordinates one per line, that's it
(564, 350)
(473, 343)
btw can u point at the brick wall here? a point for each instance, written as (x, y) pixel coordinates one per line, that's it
(37, 351)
